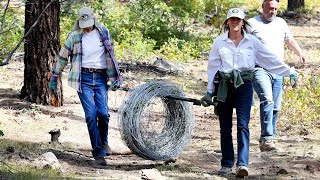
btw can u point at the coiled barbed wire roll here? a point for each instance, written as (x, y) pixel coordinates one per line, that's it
(154, 126)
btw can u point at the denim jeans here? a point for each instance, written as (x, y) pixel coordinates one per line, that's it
(269, 88)
(241, 99)
(94, 100)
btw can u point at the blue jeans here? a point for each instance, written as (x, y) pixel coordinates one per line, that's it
(241, 99)
(94, 100)
(269, 88)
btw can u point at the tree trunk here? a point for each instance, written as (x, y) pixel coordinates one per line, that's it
(41, 48)
(295, 4)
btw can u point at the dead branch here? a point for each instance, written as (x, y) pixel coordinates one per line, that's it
(6, 61)
(124, 67)
(4, 16)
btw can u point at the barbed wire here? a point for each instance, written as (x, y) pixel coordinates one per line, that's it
(154, 126)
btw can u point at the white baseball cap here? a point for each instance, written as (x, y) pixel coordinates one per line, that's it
(86, 17)
(236, 12)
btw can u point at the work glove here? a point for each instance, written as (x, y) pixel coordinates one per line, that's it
(114, 86)
(206, 99)
(53, 84)
(294, 80)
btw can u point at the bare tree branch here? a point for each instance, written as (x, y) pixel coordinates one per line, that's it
(4, 16)
(26, 34)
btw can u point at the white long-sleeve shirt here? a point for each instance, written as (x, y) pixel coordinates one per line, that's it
(225, 56)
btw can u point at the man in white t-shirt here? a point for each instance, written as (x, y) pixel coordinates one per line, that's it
(274, 32)
(89, 49)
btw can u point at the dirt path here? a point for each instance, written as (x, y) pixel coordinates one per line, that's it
(29, 124)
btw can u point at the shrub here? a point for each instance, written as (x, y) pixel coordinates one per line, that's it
(301, 106)
(131, 46)
(180, 50)
(12, 32)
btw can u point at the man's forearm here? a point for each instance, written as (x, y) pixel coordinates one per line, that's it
(294, 46)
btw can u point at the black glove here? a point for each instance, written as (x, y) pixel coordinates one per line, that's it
(114, 86)
(206, 99)
(53, 84)
(294, 80)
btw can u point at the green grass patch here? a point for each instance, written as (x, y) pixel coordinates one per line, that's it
(35, 148)
(11, 169)
(17, 172)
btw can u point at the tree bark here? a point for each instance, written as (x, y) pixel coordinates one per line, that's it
(41, 48)
(295, 4)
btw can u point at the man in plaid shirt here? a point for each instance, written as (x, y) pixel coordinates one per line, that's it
(93, 63)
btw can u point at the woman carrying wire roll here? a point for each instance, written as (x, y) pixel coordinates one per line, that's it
(233, 56)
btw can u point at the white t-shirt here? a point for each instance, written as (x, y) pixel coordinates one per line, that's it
(94, 55)
(273, 33)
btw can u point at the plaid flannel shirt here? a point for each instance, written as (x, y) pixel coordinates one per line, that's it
(72, 50)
